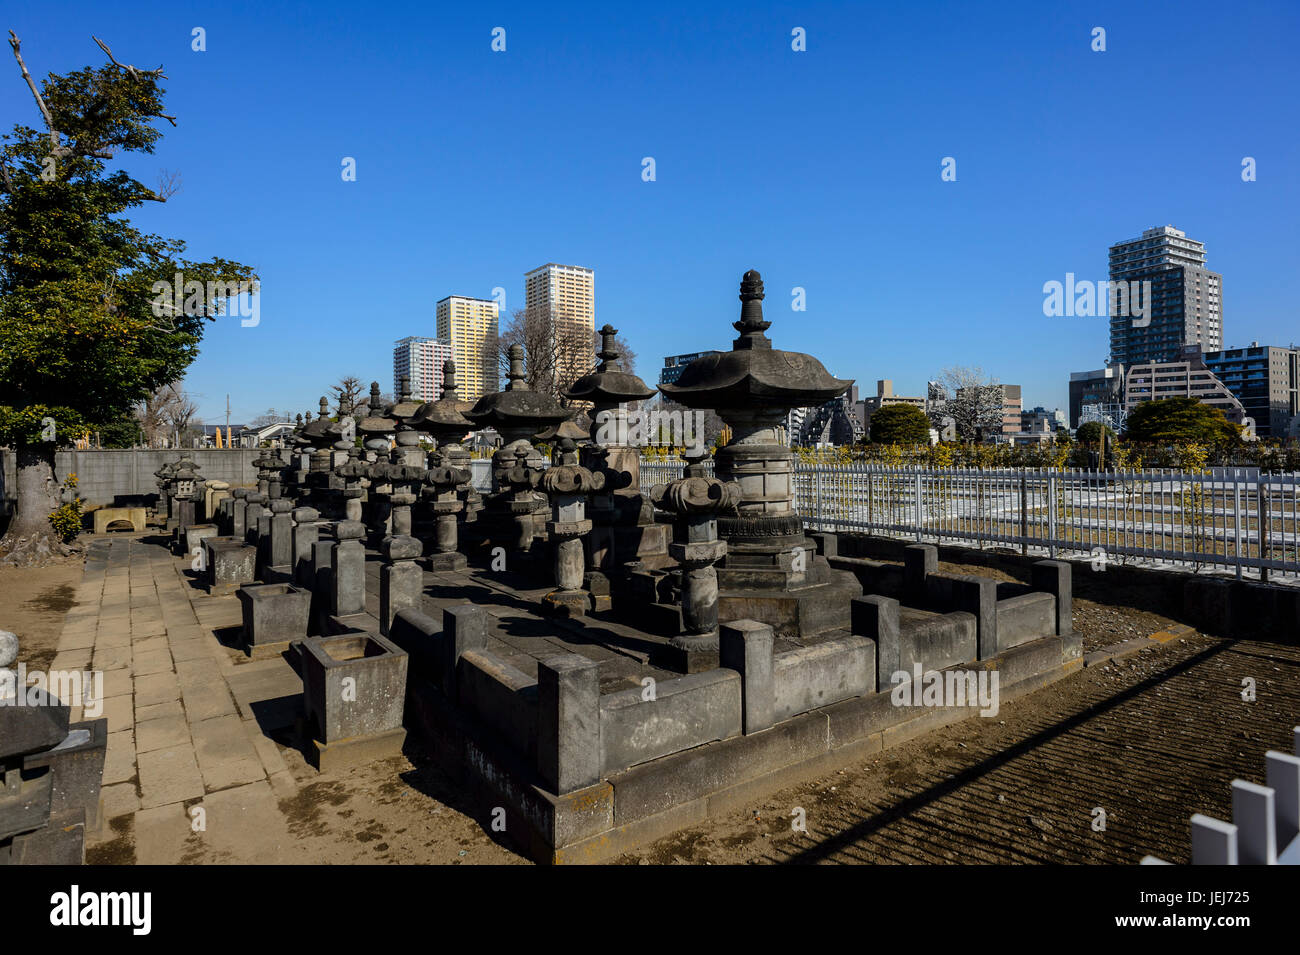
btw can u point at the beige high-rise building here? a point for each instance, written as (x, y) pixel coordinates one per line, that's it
(566, 295)
(470, 326)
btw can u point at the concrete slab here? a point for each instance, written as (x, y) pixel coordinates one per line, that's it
(225, 753)
(168, 776)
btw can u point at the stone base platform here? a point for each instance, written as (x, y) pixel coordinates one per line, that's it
(356, 751)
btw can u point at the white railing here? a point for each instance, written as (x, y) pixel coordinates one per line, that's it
(1265, 827)
(1234, 519)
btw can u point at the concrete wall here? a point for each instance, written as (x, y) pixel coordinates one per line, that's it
(103, 475)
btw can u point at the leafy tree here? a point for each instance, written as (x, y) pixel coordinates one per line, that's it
(1179, 421)
(122, 433)
(85, 332)
(1090, 433)
(899, 424)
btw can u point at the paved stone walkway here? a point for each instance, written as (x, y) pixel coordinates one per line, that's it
(179, 735)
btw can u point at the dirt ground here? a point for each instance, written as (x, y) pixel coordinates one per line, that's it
(32, 604)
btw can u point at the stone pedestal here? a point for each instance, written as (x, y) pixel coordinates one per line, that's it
(348, 570)
(401, 579)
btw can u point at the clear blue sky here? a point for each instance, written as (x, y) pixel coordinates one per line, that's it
(820, 168)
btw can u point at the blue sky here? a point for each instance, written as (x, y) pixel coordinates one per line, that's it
(819, 168)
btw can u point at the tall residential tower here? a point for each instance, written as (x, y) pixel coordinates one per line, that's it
(1186, 300)
(469, 325)
(421, 361)
(564, 296)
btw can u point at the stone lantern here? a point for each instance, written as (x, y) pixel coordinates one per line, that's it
(164, 485)
(517, 414)
(444, 420)
(186, 492)
(697, 499)
(442, 483)
(622, 516)
(771, 572)
(568, 483)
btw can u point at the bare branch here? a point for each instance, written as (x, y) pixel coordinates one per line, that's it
(31, 84)
(129, 68)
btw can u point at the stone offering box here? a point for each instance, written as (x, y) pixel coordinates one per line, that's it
(354, 693)
(230, 563)
(274, 616)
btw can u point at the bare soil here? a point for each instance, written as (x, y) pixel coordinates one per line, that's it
(33, 601)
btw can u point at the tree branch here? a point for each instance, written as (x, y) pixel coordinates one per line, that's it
(31, 84)
(128, 67)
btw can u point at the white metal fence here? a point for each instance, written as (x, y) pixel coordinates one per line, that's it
(1231, 519)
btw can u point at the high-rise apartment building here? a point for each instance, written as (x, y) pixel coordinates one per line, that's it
(1185, 305)
(564, 297)
(421, 361)
(469, 326)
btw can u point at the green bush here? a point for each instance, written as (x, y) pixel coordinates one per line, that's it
(66, 521)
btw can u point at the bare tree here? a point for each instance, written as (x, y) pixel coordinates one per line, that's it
(556, 353)
(971, 399)
(347, 393)
(166, 415)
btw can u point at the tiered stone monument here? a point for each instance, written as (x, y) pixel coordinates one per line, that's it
(697, 500)
(624, 528)
(447, 489)
(514, 512)
(772, 572)
(568, 483)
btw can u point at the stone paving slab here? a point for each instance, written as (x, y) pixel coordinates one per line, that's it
(169, 775)
(226, 755)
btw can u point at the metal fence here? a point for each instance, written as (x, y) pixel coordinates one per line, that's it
(1232, 519)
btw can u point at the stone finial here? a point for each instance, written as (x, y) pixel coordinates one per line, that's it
(609, 355)
(306, 418)
(751, 325)
(449, 380)
(324, 407)
(299, 419)
(516, 373)
(404, 389)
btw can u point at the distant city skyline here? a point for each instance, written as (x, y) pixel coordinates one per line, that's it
(822, 168)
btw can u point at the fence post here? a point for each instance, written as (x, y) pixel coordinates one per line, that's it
(1051, 514)
(1024, 515)
(1265, 524)
(1236, 520)
(817, 496)
(919, 517)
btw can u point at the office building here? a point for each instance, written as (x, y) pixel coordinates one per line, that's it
(421, 361)
(1099, 392)
(1264, 379)
(1185, 305)
(675, 364)
(469, 326)
(1189, 377)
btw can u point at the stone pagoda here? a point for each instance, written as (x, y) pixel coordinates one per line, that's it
(624, 527)
(517, 414)
(771, 571)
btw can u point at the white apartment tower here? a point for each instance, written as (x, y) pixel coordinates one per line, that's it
(469, 326)
(420, 360)
(565, 295)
